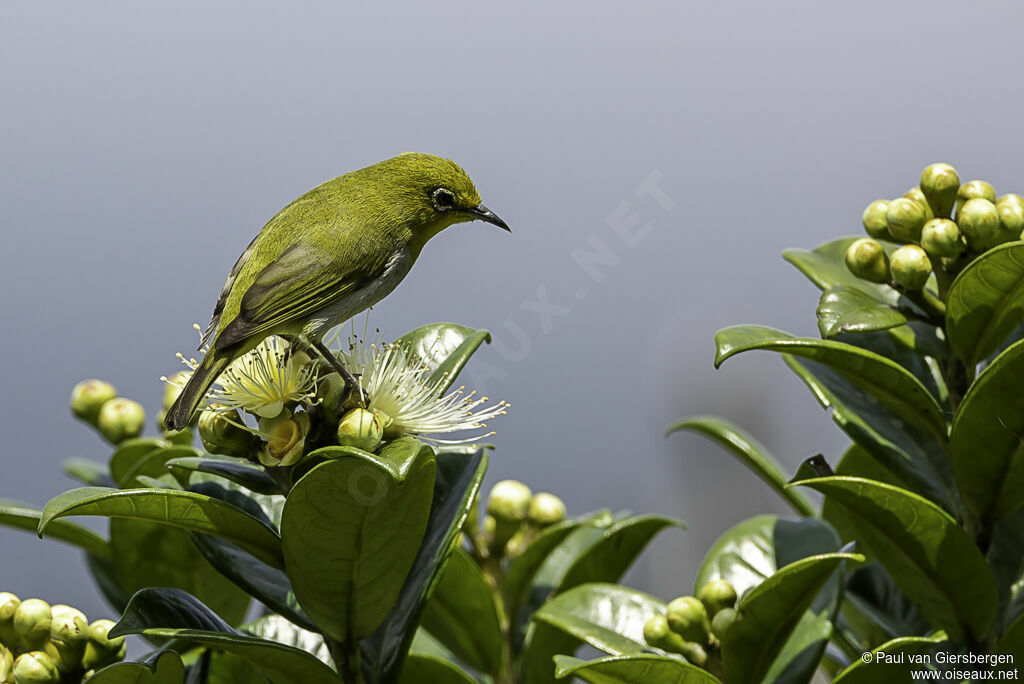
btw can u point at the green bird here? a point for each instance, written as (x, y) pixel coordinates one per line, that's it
(333, 252)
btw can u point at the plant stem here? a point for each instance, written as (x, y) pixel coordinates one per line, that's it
(346, 658)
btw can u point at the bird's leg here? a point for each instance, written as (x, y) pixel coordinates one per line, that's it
(350, 380)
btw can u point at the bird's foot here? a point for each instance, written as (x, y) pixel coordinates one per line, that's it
(354, 396)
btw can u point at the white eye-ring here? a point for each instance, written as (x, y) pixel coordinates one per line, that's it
(444, 199)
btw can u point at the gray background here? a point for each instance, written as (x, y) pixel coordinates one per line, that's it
(141, 147)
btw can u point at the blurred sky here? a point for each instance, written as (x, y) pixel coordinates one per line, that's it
(142, 146)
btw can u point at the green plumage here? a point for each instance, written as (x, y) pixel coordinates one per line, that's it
(331, 253)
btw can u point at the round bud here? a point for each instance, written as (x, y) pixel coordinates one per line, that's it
(721, 622)
(101, 650)
(688, 618)
(1011, 217)
(69, 635)
(220, 433)
(716, 595)
(121, 419)
(489, 526)
(695, 654)
(330, 390)
(940, 184)
(35, 667)
(8, 605)
(32, 620)
(979, 222)
(1010, 197)
(941, 238)
(915, 194)
(910, 267)
(874, 221)
(975, 189)
(286, 438)
(906, 217)
(546, 509)
(656, 629)
(509, 500)
(88, 396)
(6, 664)
(866, 259)
(361, 429)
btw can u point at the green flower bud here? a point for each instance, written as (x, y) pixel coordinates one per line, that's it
(716, 595)
(509, 500)
(69, 634)
(8, 605)
(361, 429)
(910, 267)
(1011, 217)
(286, 438)
(88, 396)
(906, 217)
(101, 650)
(979, 222)
(975, 189)
(940, 185)
(695, 654)
(330, 389)
(6, 664)
(173, 386)
(658, 634)
(721, 622)
(489, 526)
(121, 419)
(874, 221)
(1010, 197)
(546, 509)
(32, 620)
(220, 433)
(688, 618)
(915, 194)
(941, 238)
(866, 259)
(35, 667)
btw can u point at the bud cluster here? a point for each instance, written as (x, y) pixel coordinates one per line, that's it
(940, 225)
(44, 644)
(514, 518)
(116, 418)
(694, 626)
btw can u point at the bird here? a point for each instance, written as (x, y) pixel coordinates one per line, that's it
(327, 256)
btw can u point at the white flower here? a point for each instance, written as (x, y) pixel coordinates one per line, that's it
(408, 400)
(262, 381)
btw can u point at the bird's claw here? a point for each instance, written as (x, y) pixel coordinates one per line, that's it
(353, 397)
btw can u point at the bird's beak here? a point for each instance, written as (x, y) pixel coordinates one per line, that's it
(484, 214)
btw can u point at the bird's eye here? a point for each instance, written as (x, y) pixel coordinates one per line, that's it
(443, 199)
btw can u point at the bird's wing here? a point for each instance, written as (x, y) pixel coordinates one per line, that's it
(223, 297)
(299, 282)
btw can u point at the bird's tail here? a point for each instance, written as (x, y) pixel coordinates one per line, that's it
(185, 405)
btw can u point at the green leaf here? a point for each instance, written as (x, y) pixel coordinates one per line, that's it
(227, 668)
(749, 452)
(931, 558)
(350, 533)
(771, 611)
(444, 348)
(88, 472)
(105, 577)
(129, 452)
(461, 614)
(631, 669)
(856, 462)
(885, 380)
(164, 667)
(875, 610)
(24, 517)
(985, 445)
(154, 463)
(277, 628)
(524, 567)
(825, 266)
(186, 510)
(237, 470)
(915, 455)
(1005, 557)
(173, 614)
(1012, 641)
(428, 669)
(609, 617)
(846, 309)
(986, 302)
(883, 671)
(459, 475)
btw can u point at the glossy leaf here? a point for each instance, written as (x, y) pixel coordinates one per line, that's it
(931, 558)
(749, 452)
(163, 668)
(88, 472)
(350, 533)
(237, 470)
(876, 608)
(154, 463)
(986, 445)
(24, 517)
(461, 614)
(129, 452)
(915, 455)
(427, 669)
(843, 308)
(524, 567)
(172, 614)
(457, 484)
(105, 577)
(986, 302)
(825, 266)
(1012, 641)
(885, 380)
(771, 611)
(856, 462)
(1005, 557)
(608, 617)
(630, 669)
(277, 628)
(882, 671)
(444, 348)
(185, 510)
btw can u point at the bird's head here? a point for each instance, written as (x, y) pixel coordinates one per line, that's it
(430, 193)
